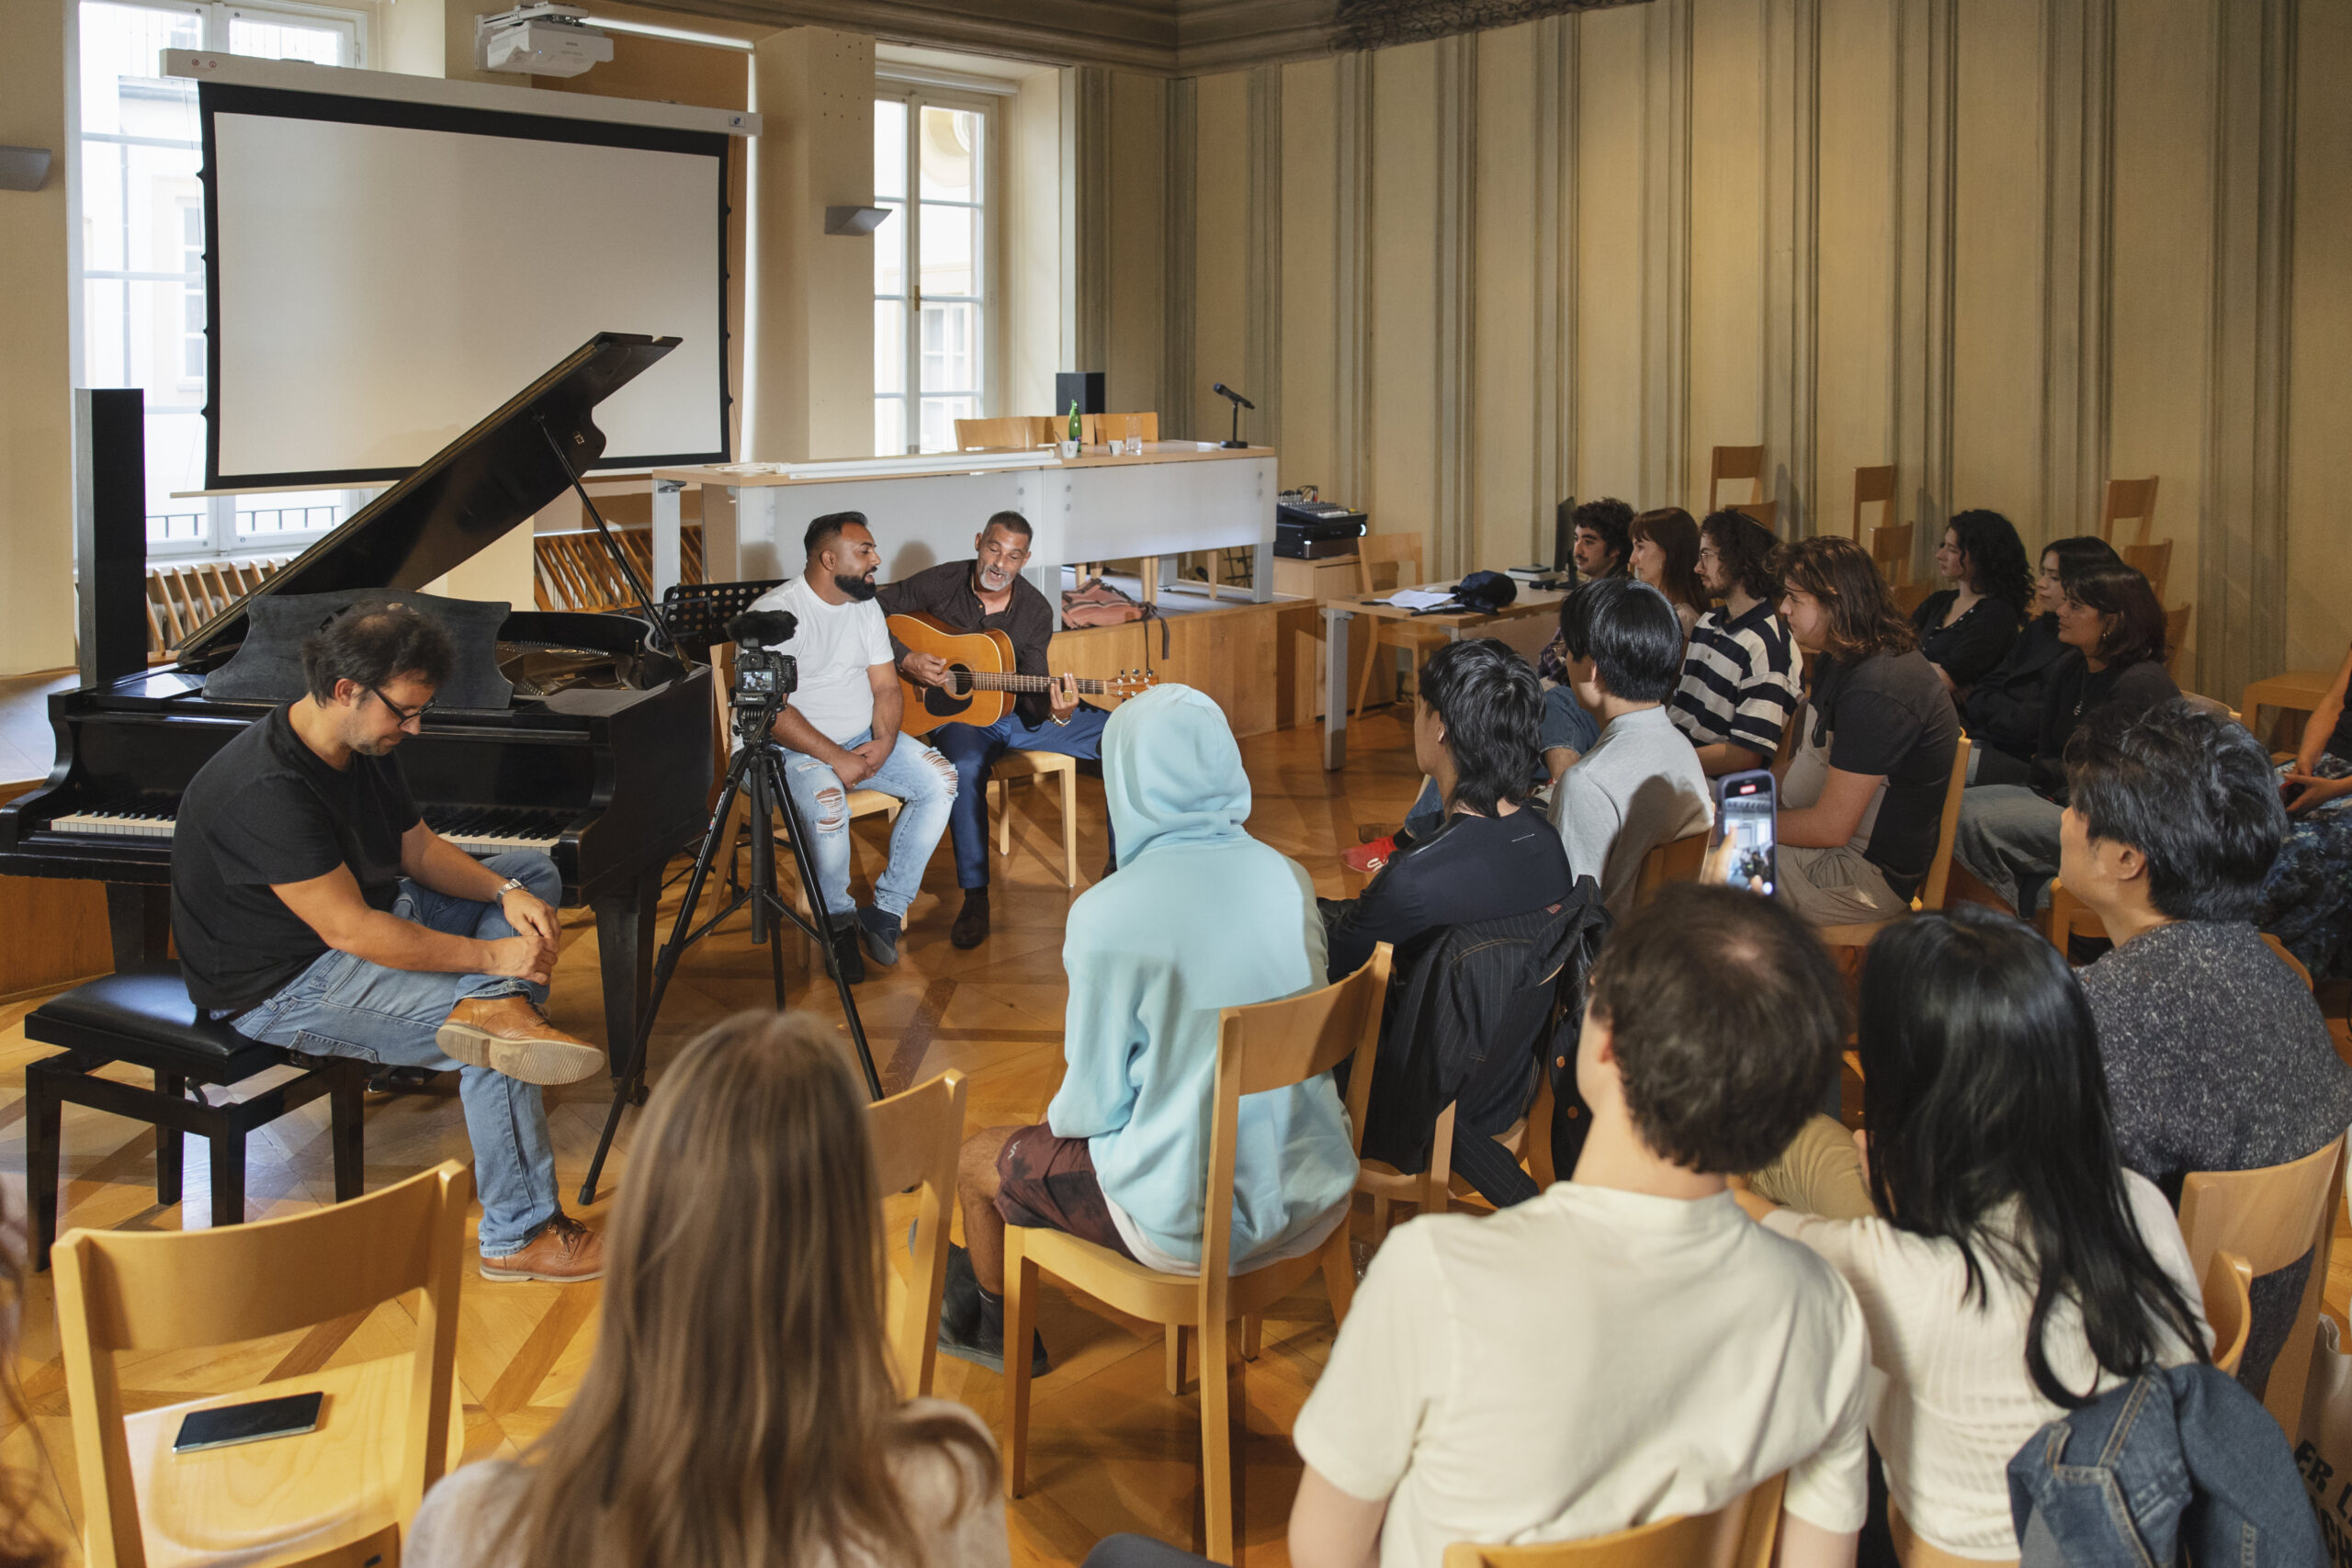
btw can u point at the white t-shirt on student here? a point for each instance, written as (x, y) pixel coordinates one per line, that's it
(1584, 1362)
(836, 645)
(1957, 1401)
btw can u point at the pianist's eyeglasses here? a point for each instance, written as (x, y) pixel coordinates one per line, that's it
(406, 715)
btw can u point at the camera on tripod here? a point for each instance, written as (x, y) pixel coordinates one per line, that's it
(764, 678)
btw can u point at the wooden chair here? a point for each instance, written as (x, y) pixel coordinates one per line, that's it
(1735, 463)
(1677, 859)
(1271, 1045)
(2132, 499)
(1100, 429)
(916, 1136)
(2269, 1218)
(2153, 561)
(1909, 596)
(387, 1430)
(2069, 917)
(1432, 1191)
(1740, 1534)
(1039, 765)
(1890, 549)
(2229, 1308)
(1912, 1552)
(2176, 625)
(1764, 511)
(1404, 551)
(1931, 891)
(1874, 487)
(1017, 431)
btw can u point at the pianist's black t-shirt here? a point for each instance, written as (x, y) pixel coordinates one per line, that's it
(266, 810)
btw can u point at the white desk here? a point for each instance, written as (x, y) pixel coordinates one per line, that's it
(1176, 496)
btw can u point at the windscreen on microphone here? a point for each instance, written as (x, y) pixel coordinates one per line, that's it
(762, 628)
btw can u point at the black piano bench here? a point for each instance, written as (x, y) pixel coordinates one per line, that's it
(142, 1016)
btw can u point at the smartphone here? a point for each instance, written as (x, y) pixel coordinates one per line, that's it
(1746, 809)
(227, 1424)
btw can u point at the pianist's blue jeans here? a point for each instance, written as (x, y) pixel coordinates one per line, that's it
(918, 776)
(974, 748)
(345, 1006)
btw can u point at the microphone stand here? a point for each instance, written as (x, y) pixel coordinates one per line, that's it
(1236, 443)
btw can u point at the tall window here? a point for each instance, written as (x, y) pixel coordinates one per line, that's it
(140, 216)
(932, 278)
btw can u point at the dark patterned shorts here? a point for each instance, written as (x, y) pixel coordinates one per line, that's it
(1049, 1183)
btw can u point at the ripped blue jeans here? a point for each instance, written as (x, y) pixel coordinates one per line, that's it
(917, 775)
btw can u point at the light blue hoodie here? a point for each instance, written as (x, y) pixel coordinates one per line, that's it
(1200, 916)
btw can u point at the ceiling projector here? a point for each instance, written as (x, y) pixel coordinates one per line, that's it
(539, 40)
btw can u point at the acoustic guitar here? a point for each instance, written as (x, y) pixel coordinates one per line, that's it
(981, 681)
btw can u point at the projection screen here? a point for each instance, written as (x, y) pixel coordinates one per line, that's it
(380, 275)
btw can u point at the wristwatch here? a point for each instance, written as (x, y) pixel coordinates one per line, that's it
(506, 887)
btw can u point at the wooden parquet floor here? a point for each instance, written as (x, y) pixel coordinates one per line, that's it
(1110, 1449)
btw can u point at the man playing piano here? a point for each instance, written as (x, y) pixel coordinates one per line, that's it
(314, 910)
(989, 594)
(840, 732)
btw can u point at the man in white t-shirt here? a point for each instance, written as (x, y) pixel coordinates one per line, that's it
(1628, 1346)
(840, 732)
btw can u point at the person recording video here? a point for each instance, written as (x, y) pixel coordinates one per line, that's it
(840, 732)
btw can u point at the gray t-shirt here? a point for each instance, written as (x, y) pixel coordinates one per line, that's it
(1639, 787)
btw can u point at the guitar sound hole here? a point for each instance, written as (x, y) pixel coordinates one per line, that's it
(942, 701)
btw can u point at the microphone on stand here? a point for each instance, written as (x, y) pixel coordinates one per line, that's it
(1239, 403)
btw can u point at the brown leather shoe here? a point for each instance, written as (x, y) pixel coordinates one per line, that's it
(563, 1253)
(508, 1036)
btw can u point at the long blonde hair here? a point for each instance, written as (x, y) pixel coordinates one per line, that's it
(740, 1410)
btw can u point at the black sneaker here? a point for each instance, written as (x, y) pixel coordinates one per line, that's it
(846, 956)
(880, 933)
(983, 1343)
(959, 1298)
(971, 927)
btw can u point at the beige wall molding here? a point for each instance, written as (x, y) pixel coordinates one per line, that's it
(1178, 368)
(2241, 538)
(1454, 508)
(1262, 352)
(2078, 97)
(1927, 57)
(1351, 301)
(1087, 131)
(1664, 463)
(1554, 451)
(1790, 266)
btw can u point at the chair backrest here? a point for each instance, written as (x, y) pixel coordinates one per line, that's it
(2128, 499)
(1271, 1045)
(2177, 624)
(2213, 706)
(2270, 1217)
(1890, 549)
(1095, 429)
(1767, 513)
(1874, 487)
(1677, 859)
(182, 1289)
(1378, 549)
(1740, 1534)
(916, 1134)
(1015, 430)
(1931, 892)
(1735, 463)
(2229, 1307)
(2153, 561)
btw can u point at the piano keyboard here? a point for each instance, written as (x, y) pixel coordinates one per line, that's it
(483, 831)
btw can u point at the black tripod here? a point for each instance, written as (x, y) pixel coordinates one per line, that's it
(757, 772)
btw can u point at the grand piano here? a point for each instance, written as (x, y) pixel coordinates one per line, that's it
(602, 758)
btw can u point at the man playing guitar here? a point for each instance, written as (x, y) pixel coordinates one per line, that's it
(988, 594)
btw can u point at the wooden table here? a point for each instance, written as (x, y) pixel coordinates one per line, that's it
(2301, 690)
(1338, 613)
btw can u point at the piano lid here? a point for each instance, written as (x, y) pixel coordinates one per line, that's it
(465, 496)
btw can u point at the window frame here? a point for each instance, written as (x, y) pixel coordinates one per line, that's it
(988, 249)
(216, 536)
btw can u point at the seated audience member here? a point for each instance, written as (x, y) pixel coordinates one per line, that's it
(1640, 784)
(2003, 710)
(1966, 630)
(1604, 545)
(1475, 735)
(1665, 555)
(2307, 898)
(840, 732)
(1739, 674)
(1201, 916)
(2021, 1270)
(2114, 633)
(314, 909)
(2217, 1056)
(1626, 1345)
(1863, 799)
(740, 1409)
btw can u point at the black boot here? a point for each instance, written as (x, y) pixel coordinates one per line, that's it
(971, 927)
(847, 956)
(983, 1345)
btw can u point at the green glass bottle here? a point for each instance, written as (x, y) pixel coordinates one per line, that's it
(1074, 426)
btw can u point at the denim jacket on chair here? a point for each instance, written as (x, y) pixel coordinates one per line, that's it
(2177, 1462)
